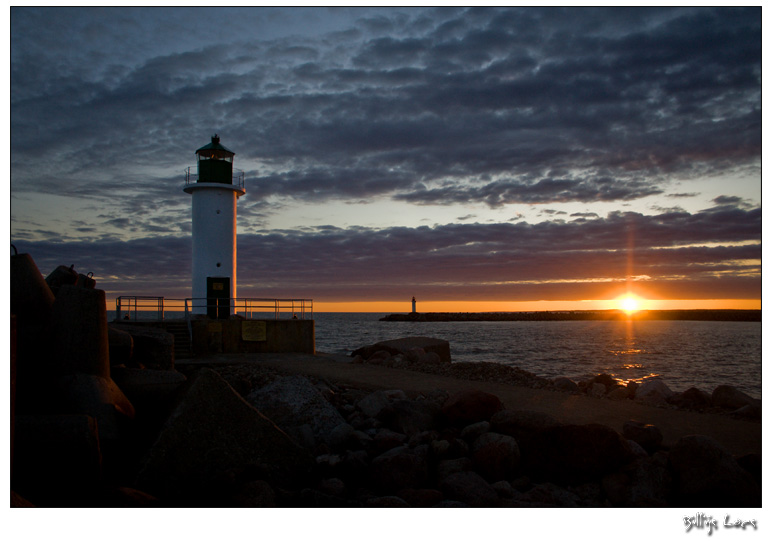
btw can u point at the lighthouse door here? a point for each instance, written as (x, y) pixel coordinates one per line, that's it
(218, 297)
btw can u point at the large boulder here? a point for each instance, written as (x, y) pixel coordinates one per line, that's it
(100, 398)
(153, 347)
(408, 347)
(648, 436)
(399, 468)
(496, 456)
(212, 431)
(705, 474)
(293, 402)
(728, 397)
(576, 454)
(471, 406)
(57, 460)
(654, 392)
(645, 482)
(470, 488)
(409, 416)
(79, 322)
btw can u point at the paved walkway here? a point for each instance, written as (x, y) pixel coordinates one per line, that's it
(737, 436)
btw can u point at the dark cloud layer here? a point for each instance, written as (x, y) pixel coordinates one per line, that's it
(475, 261)
(495, 105)
(435, 107)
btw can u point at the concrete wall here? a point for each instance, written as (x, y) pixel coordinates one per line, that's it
(253, 336)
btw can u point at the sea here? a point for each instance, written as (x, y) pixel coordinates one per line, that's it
(684, 354)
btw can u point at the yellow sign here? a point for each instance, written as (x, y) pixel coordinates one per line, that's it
(214, 327)
(254, 331)
(217, 286)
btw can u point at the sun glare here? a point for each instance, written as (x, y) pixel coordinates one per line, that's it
(629, 304)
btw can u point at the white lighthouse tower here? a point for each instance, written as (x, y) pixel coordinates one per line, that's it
(215, 188)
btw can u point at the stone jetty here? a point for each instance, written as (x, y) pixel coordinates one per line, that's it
(101, 422)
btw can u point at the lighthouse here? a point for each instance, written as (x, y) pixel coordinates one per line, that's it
(214, 188)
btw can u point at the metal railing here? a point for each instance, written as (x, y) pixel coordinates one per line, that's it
(251, 308)
(138, 308)
(192, 177)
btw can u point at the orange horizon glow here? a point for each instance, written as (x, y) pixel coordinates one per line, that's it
(391, 307)
(398, 307)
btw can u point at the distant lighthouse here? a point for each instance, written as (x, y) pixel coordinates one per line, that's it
(214, 189)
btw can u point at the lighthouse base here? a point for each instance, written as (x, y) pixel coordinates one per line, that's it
(235, 335)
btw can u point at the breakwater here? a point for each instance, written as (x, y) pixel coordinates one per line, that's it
(583, 315)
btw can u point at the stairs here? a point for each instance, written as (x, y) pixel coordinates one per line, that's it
(182, 338)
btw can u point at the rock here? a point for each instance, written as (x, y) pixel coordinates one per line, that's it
(705, 474)
(57, 460)
(606, 380)
(470, 488)
(153, 347)
(31, 309)
(421, 497)
(646, 435)
(293, 401)
(575, 454)
(61, 276)
(31, 297)
(471, 406)
(120, 346)
(693, 399)
(151, 391)
(98, 397)
(257, 493)
(379, 357)
(752, 463)
(333, 486)
(496, 456)
(399, 468)
(372, 404)
(504, 490)
(522, 424)
(448, 467)
(79, 322)
(750, 411)
(653, 392)
(566, 385)
(409, 416)
(642, 483)
(386, 501)
(471, 432)
(620, 393)
(341, 435)
(728, 397)
(548, 495)
(126, 497)
(597, 390)
(386, 439)
(212, 430)
(405, 345)
(637, 449)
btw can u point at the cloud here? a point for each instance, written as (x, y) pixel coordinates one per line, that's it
(421, 106)
(715, 252)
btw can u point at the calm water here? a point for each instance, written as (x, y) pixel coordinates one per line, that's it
(702, 354)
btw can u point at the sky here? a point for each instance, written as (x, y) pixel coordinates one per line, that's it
(475, 158)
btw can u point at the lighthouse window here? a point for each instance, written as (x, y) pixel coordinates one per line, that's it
(218, 265)
(217, 211)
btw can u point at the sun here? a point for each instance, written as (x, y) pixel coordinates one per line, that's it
(629, 304)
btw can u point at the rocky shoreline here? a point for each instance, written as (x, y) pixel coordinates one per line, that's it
(102, 416)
